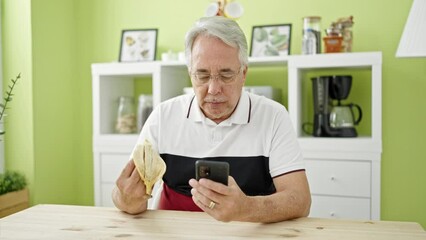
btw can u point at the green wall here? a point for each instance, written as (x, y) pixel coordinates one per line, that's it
(17, 58)
(49, 130)
(54, 90)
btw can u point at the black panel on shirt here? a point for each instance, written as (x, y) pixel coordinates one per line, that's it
(250, 173)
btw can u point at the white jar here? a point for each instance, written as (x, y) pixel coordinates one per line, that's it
(144, 109)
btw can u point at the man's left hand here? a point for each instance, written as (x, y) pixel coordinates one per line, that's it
(224, 203)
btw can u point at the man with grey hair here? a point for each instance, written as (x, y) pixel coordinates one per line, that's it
(221, 122)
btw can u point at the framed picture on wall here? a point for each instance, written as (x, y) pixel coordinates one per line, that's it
(270, 40)
(138, 45)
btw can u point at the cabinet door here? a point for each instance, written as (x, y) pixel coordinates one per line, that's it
(111, 166)
(340, 207)
(339, 177)
(106, 198)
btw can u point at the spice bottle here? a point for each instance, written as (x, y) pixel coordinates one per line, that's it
(144, 109)
(311, 41)
(126, 118)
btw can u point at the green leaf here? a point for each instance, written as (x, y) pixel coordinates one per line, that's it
(11, 181)
(8, 97)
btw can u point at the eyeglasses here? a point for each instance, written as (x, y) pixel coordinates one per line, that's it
(225, 77)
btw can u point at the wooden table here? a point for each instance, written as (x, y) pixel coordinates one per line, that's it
(61, 222)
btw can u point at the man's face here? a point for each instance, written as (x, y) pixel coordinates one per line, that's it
(217, 95)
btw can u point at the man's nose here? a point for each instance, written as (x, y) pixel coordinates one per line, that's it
(215, 85)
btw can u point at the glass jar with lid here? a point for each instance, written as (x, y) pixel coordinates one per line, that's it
(311, 41)
(144, 109)
(126, 117)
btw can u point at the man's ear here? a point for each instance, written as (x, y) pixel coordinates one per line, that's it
(245, 73)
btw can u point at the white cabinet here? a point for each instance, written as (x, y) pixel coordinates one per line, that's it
(109, 166)
(111, 151)
(343, 173)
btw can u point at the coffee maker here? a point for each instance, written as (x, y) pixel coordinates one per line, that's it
(333, 119)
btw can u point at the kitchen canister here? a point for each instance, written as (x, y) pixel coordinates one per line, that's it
(144, 110)
(311, 40)
(126, 117)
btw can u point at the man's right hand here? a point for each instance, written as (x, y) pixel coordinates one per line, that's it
(129, 193)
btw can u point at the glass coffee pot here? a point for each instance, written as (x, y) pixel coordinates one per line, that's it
(342, 116)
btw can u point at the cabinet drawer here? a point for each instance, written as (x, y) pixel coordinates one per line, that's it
(106, 191)
(111, 166)
(339, 177)
(340, 207)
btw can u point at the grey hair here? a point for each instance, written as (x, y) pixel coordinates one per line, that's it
(223, 28)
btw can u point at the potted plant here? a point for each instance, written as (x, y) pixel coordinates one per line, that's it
(14, 195)
(13, 192)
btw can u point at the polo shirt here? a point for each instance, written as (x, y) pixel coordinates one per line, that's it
(257, 140)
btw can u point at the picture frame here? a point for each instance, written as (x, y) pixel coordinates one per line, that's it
(138, 45)
(270, 40)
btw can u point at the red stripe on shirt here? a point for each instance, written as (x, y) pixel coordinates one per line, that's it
(172, 200)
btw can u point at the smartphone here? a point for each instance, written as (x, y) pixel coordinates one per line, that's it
(213, 170)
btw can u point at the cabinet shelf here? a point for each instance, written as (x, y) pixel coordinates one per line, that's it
(269, 61)
(112, 80)
(360, 146)
(298, 65)
(336, 60)
(115, 142)
(117, 137)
